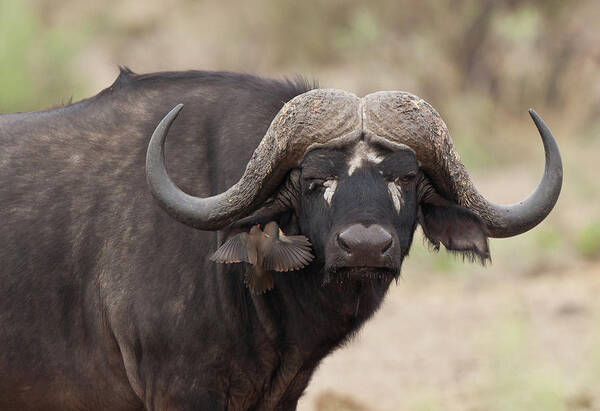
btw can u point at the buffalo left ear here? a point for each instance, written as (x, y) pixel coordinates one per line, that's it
(261, 216)
(280, 207)
(459, 229)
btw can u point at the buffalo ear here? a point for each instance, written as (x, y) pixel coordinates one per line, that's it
(261, 216)
(281, 206)
(459, 229)
(285, 219)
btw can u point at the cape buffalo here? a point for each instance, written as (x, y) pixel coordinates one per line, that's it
(108, 303)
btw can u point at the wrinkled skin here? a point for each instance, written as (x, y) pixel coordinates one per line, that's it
(108, 303)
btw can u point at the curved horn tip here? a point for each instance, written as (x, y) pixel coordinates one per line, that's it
(159, 135)
(539, 123)
(163, 126)
(535, 116)
(175, 111)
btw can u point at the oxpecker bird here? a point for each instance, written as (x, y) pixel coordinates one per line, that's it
(265, 251)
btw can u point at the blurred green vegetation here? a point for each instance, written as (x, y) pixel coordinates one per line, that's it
(482, 60)
(588, 241)
(35, 69)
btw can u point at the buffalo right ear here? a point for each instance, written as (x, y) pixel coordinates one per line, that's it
(459, 229)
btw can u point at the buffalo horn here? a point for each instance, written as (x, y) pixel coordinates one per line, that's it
(404, 118)
(315, 117)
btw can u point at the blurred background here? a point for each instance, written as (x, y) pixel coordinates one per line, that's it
(520, 334)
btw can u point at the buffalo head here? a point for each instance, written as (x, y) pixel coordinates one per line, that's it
(358, 175)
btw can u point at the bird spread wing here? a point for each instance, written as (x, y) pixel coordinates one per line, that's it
(234, 250)
(288, 253)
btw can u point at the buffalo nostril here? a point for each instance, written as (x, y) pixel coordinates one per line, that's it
(387, 246)
(343, 244)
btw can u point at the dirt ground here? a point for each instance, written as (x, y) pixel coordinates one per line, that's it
(472, 342)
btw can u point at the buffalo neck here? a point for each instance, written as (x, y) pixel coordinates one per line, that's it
(299, 322)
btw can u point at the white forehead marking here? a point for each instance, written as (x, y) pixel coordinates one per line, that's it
(330, 186)
(362, 152)
(396, 194)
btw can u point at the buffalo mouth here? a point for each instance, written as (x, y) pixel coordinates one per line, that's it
(340, 275)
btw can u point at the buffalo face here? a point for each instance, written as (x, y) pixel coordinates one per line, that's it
(358, 205)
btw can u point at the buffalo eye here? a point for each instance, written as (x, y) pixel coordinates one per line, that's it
(315, 183)
(406, 178)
